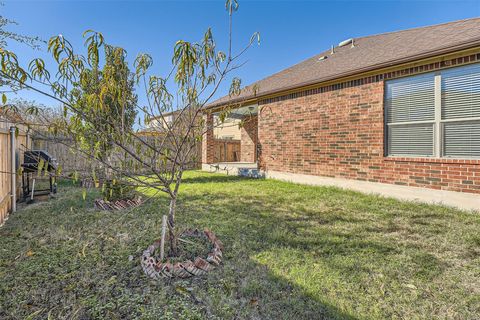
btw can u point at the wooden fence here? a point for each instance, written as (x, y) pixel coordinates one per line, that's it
(71, 160)
(21, 144)
(59, 148)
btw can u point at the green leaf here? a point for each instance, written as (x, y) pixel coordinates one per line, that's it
(59, 170)
(45, 172)
(4, 98)
(256, 35)
(231, 6)
(75, 176)
(41, 163)
(84, 193)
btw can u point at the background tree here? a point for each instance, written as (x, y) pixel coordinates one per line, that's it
(32, 112)
(197, 71)
(6, 35)
(108, 95)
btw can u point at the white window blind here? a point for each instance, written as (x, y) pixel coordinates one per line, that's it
(461, 111)
(410, 115)
(461, 92)
(462, 139)
(416, 139)
(425, 117)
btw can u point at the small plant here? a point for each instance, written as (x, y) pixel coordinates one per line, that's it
(96, 91)
(117, 191)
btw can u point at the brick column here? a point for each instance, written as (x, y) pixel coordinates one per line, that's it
(208, 143)
(249, 138)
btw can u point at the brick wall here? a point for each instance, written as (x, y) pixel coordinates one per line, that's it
(338, 131)
(208, 147)
(249, 139)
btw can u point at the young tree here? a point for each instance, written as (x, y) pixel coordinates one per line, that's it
(197, 71)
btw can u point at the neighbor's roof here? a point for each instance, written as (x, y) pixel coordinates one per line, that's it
(369, 53)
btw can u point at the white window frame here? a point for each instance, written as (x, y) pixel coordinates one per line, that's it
(438, 124)
(408, 123)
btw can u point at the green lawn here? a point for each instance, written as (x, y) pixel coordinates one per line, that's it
(291, 252)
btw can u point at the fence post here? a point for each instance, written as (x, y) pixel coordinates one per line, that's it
(27, 139)
(13, 170)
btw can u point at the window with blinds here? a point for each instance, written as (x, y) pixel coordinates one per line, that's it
(434, 114)
(410, 115)
(461, 111)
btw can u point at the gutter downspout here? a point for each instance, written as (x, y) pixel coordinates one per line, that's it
(13, 170)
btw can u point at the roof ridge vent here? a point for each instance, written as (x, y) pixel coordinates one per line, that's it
(347, 42)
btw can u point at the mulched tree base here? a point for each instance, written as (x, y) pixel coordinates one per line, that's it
(117, 204)
(157, 270)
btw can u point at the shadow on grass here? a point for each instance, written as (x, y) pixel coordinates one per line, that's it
(257, 289)
(262, 248)
(266, 295)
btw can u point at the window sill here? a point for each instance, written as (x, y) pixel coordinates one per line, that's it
(432, 160)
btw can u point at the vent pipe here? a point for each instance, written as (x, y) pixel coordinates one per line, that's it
(345, 42)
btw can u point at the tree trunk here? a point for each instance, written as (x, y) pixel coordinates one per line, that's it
(171, 227)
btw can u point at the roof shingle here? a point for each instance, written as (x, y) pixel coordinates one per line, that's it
(369, 53)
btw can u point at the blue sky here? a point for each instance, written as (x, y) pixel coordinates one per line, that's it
(291, 31)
